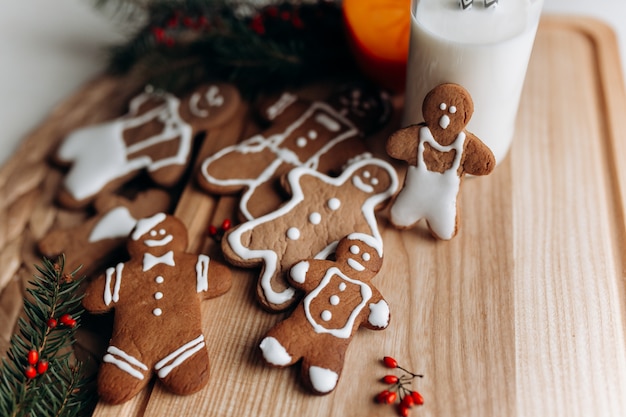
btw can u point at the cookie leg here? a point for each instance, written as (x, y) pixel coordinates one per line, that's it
(121, 376)
(185, 370)
(275, 353)
(322, 377)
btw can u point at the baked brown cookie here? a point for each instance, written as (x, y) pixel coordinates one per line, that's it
(339, 299)
(157, 325)
(318, 135)
(439, 153)
(321, 211)
(93, 242)
(156, 135)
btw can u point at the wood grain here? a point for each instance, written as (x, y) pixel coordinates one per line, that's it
(522, 314)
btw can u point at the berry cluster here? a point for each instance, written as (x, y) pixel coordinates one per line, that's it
(162, 34)
(216, 233)
(270, 16)
(36, 366)
(397, 392)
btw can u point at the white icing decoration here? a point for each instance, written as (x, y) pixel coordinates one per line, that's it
(293, 233)
(115, 295)
(274, 352)
(428, 194)
(315, 218)
(371, 241)
(157, 312)
(444, 121)
(100, 155)
(271, 258)
(367, 174)
(114, 224)
(334, 204)
(180, 355)
(145, 225)
(355, 265)
(345, 129)
(312, 134)
(162, 232)
(153, 233)
(452, 109)
(374, 181)
(301, 142)
(298, 271)
(443, 106)
(150, 261)
(125, 362)
(202, 273)
(358, 183)
(160, 242)
(354, 249)
(326, 315)
(212, 97)
(283, 102)
(345, 331)
(342, 286)
(334, 300)
(366, 257)
(322, 379)
(158, 295)
(159, 280)
(379, 314)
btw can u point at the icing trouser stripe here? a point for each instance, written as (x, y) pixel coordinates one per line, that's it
(124, 362)
(180, 355)
(202, 273)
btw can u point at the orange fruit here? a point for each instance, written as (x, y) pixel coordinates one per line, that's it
(378, 32)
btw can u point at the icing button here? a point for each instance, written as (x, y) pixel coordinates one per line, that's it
(157, 312)
(159, 280)
(158, 295)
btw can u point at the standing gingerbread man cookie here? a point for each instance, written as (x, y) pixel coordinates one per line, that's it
(156, 297)
(339, 299)
(439, 152)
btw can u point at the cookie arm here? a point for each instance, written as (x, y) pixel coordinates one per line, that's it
(402, 144)
(218, 277)
(477, 157)
(102, 293)
(378, 312)
(306, 275)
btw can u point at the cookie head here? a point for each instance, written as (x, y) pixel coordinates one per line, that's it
(359, 256)
(159, 233)
(372, 179)
(447, 109)
(209, 105)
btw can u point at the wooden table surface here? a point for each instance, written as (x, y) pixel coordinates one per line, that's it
(521, 314)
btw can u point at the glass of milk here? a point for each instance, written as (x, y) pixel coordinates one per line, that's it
(486, 50)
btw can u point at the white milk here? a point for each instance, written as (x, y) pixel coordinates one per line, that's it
(484, 50)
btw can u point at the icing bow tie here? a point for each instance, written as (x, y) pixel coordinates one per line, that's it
(150, 261)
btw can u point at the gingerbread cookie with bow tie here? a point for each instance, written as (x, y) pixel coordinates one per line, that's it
(321, 211)
(102, 236)
(339, 299)
(156, 136)
(319, 135)
(439, 152)
(157, 326)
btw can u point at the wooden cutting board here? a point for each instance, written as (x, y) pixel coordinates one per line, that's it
(521, 314)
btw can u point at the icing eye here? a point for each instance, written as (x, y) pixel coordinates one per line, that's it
(312, 134)
(354, 249)
(162, 232)
(452, 109)
(301, 142)
(443, 106)
(153, 233)
(366, 256)
(374, 181)
(366, 174)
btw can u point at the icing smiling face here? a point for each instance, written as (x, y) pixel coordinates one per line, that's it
(447, 109)
(156, 234)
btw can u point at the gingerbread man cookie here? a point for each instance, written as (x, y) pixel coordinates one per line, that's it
(321, 211)
(439, 152)
(156, 298)
(156, 135)
(101, 236)
(317, 135)
(339, 299)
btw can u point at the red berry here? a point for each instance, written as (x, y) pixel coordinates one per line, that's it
(226, 224)
(172, 21)
(407, 401)
(212, 230)
(187, 21)
(52, 322)
(67, 320)
(271, 11)
(30, 372)
(390, 379)
(159, 34)
(202, 21)
(417, 398)
(33, 357)
(42, 367)
(381, 397)
(403, 411)
(391, 397)
(390, 362)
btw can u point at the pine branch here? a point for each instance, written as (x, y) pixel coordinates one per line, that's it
(40, 377)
